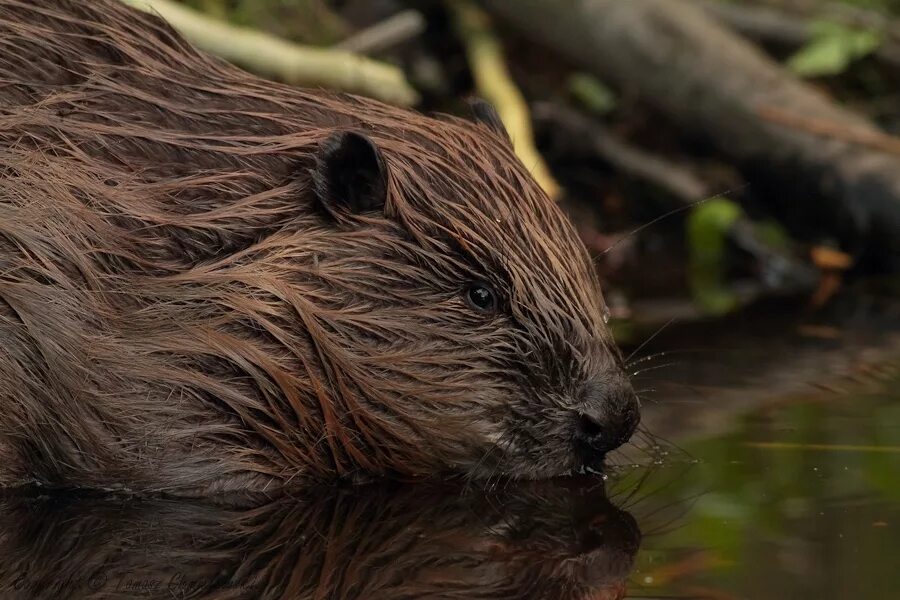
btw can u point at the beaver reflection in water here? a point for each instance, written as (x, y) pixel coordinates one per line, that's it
(212, 282)
(530, 540)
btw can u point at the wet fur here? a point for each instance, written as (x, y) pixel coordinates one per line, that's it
(177, 313)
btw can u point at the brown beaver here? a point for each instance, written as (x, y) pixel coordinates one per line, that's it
(213, 282)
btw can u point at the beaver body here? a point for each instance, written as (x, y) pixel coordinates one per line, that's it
(211, 282)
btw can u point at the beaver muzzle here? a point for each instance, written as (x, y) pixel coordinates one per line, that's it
(606, 418)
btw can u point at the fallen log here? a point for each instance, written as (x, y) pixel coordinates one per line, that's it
(712, 82)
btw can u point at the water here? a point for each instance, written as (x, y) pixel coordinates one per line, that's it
(769, 467)
(784, 479)
(799, 500)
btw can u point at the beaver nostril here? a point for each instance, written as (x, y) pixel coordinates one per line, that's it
(588, 429)
(609, 415)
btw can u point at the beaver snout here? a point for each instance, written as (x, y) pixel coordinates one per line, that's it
(608, 415)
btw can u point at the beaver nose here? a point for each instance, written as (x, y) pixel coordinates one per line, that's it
(609, 414)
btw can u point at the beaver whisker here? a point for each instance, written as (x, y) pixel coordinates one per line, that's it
(643, 345)
(630, 365)
(666, 215)
(655, 367)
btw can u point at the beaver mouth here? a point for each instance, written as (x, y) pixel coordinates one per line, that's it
(588, 461)
(520, 454)
(557, 450)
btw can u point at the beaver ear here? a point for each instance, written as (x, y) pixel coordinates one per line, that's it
(350, 175)
(485, 113)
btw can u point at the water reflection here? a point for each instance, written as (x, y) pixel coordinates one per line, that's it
(534, 540)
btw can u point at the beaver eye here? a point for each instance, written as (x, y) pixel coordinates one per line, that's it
(481, 297)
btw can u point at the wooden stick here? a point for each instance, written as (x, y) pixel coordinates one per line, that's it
(870, 138)
(275, 58)
(495, 84)
(394, 30)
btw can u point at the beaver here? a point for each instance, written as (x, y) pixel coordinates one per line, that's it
(210, 282)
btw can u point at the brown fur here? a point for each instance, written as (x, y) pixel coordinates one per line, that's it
(534, 541)
(177, 315)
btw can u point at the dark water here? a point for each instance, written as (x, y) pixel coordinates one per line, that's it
(784, 480)
(800, 499)
(769, 468)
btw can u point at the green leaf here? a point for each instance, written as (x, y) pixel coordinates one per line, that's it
(707, 230)
(592, 93)
(833, 48)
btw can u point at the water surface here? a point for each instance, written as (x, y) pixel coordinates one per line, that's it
(782, 475)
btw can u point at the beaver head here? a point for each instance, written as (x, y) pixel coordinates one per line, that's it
(206, 275)
(462, 310)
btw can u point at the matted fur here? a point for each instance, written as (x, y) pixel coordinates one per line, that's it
(177, 315)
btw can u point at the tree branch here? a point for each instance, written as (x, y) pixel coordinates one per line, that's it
(275, 58)
(495, 84)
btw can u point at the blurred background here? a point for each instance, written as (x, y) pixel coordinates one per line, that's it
(712, 153)
(734, 166)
